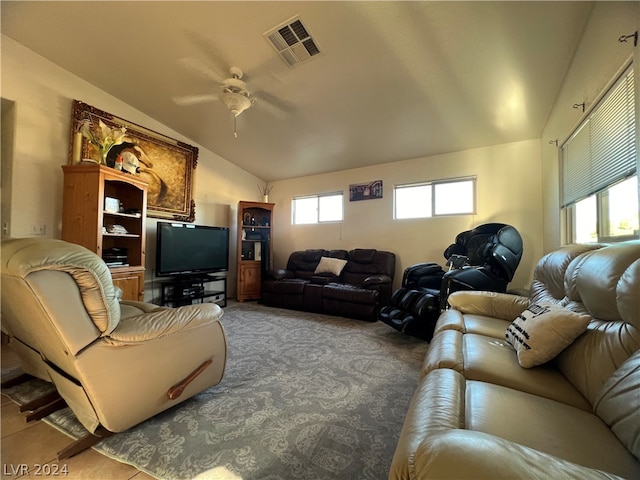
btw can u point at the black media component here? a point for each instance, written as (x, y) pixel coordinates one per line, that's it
(182, 290)
(115, 257)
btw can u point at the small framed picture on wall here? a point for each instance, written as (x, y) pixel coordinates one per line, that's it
(365, 191)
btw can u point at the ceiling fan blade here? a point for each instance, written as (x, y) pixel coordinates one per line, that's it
(187, 100)
(278, 107)
(267, 79)
(211, 53)
(196, 65)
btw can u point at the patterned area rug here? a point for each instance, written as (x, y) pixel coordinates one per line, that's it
(304, 396)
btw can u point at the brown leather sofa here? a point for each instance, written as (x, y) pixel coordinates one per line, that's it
(477, 413)
(351, 284)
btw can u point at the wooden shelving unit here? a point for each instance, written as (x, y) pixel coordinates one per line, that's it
(255, 249)
(87, 222)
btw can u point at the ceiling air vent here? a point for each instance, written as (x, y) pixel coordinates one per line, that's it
(293, 42)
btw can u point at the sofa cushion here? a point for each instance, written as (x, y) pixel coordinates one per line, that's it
(627, 294)
(312, 255)
(548, 426)
(542, 331)
(330, 265)
(618, 404)
(596, 354)
(341, 254)
(607, 282)
(364, 263)
(362, 255)
(90, 273)
(549, 275)
(492, 360)
(455, 454)
(453, 319)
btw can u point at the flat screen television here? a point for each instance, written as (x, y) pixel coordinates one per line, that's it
(185, 249)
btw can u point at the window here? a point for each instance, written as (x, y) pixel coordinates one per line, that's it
(618, 209)
(412, 201)
(620, 202)
(428, 199)
(317, 209)
(599, 178)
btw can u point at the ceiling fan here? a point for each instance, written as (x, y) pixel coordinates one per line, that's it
(233, 92)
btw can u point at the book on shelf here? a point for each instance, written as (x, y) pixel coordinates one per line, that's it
(117, 264)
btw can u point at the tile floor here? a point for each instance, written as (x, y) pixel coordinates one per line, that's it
(29, 450)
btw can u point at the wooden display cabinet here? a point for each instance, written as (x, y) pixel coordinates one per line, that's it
(255, 250)
(88, 221)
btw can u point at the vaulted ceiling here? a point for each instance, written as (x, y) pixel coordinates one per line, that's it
(393, 80)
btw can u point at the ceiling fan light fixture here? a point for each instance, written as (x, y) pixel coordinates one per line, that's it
(236, 102)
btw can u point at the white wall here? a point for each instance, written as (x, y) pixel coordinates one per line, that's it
(42, 94)
(509, 191)
(597, 60)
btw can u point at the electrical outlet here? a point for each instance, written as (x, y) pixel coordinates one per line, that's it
(38, 229)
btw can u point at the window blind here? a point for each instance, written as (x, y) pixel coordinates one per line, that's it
(603, 148)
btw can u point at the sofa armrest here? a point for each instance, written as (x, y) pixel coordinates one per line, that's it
(492, 304)
(456, 454)
(279, 274)
(161, 323)
(142, 306)
(374, 280)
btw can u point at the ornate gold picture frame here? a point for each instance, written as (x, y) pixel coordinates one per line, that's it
(167, 165)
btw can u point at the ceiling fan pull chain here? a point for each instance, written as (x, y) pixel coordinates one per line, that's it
(235, 133)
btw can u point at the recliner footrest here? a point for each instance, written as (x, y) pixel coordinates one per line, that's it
(413, 312)
(293, 286)
(349, 293)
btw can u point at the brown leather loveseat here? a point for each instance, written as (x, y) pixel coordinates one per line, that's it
(544, 386)
(351, 283)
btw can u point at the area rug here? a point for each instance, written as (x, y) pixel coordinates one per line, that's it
(304, 396)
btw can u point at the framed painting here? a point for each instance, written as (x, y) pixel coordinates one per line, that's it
(167, 165)
(365, 191)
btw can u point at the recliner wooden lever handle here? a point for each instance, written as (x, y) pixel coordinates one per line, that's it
(175, 391)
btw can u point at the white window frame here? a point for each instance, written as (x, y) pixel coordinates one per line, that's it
(602, 223)
(431, 212)
(318, 198)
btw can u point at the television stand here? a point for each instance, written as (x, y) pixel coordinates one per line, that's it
(189, 289)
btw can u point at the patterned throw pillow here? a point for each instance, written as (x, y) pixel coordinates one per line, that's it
(542, 331)
(330, 265)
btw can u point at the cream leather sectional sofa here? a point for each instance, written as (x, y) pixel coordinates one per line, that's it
(478, 413)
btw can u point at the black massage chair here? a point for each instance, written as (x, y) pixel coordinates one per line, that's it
(485, 258)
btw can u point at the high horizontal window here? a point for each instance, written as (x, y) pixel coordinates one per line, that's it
(429, 199)
(326, 207)
(599, 178)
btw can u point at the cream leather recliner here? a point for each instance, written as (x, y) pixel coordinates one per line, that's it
(115, 363)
